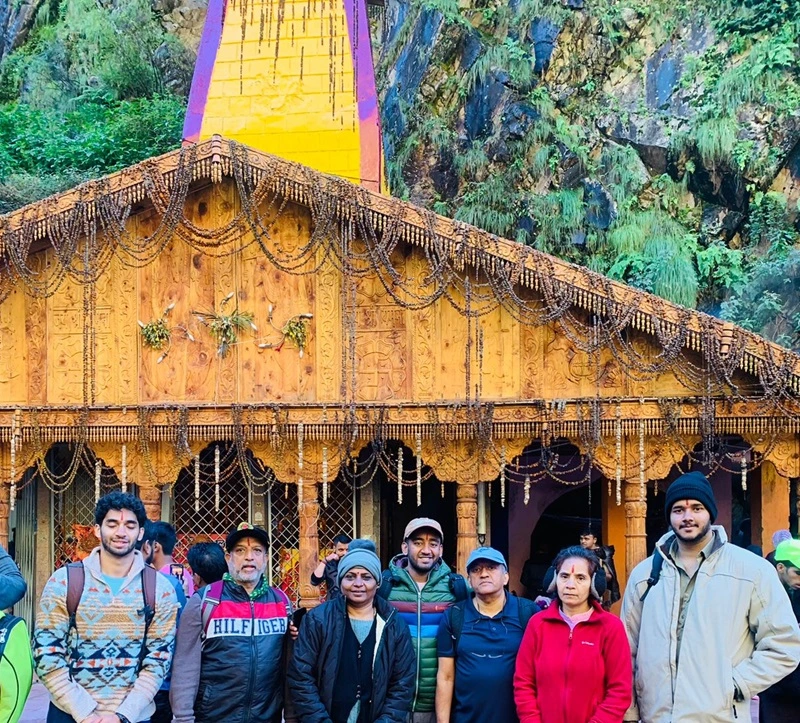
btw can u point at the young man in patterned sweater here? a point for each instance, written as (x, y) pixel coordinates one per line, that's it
(109, 667)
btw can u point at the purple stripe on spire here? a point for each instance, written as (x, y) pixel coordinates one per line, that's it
(203, 69)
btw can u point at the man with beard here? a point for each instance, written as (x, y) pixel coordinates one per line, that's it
(230, 657)
(421, 586)
(709, 623)
(104, 656)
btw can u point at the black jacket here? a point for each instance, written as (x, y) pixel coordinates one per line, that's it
(234, 671)
(314, 666)
(779, 703)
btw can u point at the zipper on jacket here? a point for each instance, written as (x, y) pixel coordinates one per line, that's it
(252, 657)
(419, 639)
(566, 667)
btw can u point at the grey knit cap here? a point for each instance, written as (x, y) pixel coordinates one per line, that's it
(360, 553)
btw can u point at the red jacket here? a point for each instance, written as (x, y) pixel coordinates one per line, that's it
(583, 676)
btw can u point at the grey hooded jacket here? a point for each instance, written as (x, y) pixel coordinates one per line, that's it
(740, 634)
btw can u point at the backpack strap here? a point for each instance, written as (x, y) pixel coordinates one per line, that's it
(76, 577)
(149, 583)
(387, 581)
(527, 609)
(284, 598)
(7, 624)
(212, 594)
(655, 573)
(458, 586)
(455, 621)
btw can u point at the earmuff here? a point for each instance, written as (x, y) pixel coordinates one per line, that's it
(598, 582)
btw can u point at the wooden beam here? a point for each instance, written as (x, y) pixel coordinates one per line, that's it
(467, 519)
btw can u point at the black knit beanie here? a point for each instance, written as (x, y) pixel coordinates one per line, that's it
(691, 486)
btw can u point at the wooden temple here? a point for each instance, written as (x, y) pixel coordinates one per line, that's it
(234, 336)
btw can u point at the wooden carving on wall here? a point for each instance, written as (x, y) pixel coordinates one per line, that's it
(382, 353)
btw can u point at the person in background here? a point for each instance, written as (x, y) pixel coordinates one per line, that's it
(158, 537)
(158, 544)
(12, 584)
(574, 663)
(605, 554)
(107, 664)
(16, 663)
(326, 570)
(713, 628)
(478, 641)
(780, 703)
(353, 661)
(207, 563)
(777, 537)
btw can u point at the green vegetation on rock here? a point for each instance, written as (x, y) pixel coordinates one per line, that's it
(656, 142)
(97, 87)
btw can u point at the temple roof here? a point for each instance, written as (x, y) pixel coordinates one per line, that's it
(41, 225)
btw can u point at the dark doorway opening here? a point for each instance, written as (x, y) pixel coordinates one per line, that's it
(395, 515)
(560, 526)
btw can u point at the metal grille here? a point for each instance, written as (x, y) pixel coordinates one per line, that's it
(73, 509)
(338, 517)
(207, 522)
(25, 546)
(283, 524)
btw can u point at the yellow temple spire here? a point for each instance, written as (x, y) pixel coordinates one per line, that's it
(294, 78)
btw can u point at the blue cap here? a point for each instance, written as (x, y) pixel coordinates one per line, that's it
(486, 553)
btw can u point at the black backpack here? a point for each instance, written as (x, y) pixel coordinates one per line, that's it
(455, 617)
(458, 585)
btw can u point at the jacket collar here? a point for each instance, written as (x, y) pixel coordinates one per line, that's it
(665, 542)
(385, 610)
(92, 564)
(399, 564)
(553, 612)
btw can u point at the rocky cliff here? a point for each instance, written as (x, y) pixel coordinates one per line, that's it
(654, 141)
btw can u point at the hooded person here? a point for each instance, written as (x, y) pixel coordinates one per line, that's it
(353, 661)
(755, 637)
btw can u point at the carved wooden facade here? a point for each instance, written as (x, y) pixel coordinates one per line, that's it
(464, 348)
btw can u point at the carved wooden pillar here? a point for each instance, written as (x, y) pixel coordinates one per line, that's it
(467, 517)
(770, 506)
(151, 497)
(635, 532)
(309, 544)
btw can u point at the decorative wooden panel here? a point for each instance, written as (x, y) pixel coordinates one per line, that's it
(13, 350)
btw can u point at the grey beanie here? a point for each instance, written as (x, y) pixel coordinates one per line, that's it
(360, 553)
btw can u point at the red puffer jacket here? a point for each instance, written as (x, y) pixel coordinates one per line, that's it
(582, 676)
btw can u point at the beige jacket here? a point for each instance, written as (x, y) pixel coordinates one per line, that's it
(740, 632)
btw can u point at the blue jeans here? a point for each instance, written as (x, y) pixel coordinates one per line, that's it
(56, 715)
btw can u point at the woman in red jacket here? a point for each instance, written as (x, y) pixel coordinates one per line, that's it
(574, 663)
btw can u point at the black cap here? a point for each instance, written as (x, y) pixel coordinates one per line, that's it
(691, 486)
(245, 529)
